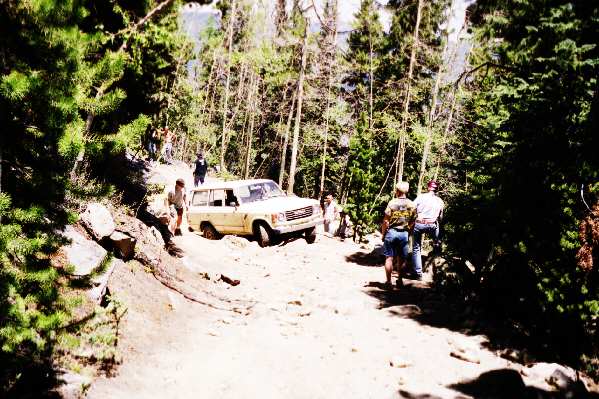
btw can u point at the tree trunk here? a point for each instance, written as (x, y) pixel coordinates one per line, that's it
(429, 130)
(445, 134)
(227, 85)
(286, 139)
(252, 108)
(370, 79)
(401, 148)
(332, 53)
(298, 116)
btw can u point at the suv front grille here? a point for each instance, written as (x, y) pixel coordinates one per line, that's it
(299, 213)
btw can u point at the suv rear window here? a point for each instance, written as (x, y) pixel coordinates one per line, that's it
(217, 197)
(200, 198)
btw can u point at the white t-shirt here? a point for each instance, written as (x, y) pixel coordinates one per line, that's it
(330, 211)
(428, 206)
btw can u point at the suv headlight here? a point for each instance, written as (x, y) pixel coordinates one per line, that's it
(316, 210)
(278, 217)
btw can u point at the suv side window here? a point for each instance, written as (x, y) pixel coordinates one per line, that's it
(217, 198)
(200, 198)
(231, 198)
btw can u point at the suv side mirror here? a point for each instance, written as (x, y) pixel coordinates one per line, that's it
(233, 203)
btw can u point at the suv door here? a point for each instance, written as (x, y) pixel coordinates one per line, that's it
(198, 208)
(234, 217)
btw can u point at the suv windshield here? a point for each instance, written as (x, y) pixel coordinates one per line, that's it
(259, 191)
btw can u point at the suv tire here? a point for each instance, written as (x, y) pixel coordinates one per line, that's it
(310, 235)
(209, 232)
(263, 235)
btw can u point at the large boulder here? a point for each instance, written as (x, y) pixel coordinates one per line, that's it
(85, 255)
(97, 220)
(149, 245)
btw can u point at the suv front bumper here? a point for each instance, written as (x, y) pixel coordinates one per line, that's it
(297, 227)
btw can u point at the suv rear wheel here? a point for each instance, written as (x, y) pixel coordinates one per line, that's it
(210, 232)
(310, 235)
(263, 235)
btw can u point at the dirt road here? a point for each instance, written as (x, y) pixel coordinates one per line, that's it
(315, 325)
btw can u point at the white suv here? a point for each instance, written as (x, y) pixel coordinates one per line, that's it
(251, 207)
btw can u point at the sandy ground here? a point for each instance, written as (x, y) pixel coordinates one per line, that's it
(316, 325)
(306, 321)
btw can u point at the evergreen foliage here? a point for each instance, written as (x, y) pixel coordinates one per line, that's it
(529, 148)
(68, 73)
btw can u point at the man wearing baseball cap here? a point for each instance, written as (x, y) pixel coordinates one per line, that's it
(400, 215)
(430, 210)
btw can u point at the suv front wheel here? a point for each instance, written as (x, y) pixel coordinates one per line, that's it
(263, 235)
(310, 235)
(210, 232)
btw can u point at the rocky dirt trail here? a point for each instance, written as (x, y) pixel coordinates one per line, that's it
(306, 321)
(316, 326)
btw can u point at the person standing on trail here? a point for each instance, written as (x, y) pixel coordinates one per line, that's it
(430, 211)
(153, 141)
(178, 199)
(201, 167)
(399, 219)
(331, 214)
(169, 137)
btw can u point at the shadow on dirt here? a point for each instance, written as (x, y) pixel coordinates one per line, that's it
(506, 384)
(373, 258)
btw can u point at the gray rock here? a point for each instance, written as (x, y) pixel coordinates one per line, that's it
(149, 243)
(100, 282)
(124, 244)
(85, 255)
(553, 374)
(73, 385)
(97, 220)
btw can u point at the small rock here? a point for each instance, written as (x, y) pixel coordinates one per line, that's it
(465, 355)
(100, 282)
(399, 362)
(124, 244)
(465, 351)
(97, 220)
(553, 374)
(296, 302)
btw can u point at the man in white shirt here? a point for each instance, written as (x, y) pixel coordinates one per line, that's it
(331, 214)
(430, 210)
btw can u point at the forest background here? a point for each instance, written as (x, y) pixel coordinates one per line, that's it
(512, 139)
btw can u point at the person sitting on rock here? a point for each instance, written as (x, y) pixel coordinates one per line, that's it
(178, 199)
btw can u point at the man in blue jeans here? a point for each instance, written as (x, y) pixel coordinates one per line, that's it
(430, 210)
(399, 219)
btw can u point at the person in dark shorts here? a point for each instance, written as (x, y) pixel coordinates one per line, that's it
(400, 216)
(178, 199)
(201, 167)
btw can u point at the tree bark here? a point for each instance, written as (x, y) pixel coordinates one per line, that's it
(227, 85)
(252, 108)
(401, 148)
(286, 139)
(429, 128)
(298, 116)
(331, 64)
